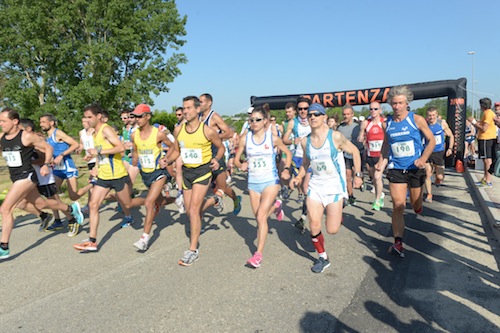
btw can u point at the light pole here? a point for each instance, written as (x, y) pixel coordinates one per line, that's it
(472, 53)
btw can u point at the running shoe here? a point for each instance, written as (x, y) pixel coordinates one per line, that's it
(397, 249)
(419, 211)
(74, 228)
(179, 201)
(300, 224)
(4, 254)
(301, 197)
(237, 205)
(56, 226)
(320, 265)
(376, 205)
(45, 221)
(141, 244)
(438, 182)
(256, 260)
(119, 208)
(86, 246)
(76, 212)
(428, 198)
(278, 210)
(219, 203)
(351, 201)
(127, 222)
(285, 193)
(189, 258)
(485, 184)
(381, 200)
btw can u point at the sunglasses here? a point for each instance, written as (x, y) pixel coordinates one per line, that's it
(300, 109)
(178, 114)
(256, 120)
(374, 109)
(315, 114)
(141, 116)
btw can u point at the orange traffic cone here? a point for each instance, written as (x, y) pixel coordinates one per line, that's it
(459, 166)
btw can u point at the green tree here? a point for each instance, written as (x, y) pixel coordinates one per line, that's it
(164, 118)
(441, 104)
(58, 56)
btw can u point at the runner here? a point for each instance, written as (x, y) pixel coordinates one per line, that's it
(147, 151)
(328, 185)
(263, 180)
(64, 167)
(215, 122)
(372, 133)
(17, 149)
(195, 141)
(300, 128)
(111, 174)
(406, 158)
(439, 129)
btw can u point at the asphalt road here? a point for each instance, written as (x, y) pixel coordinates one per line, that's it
(448, 281)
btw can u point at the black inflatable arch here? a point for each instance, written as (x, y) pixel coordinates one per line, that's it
(455, 90)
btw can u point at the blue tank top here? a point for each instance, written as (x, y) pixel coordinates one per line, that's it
(438, 132)
(59, 147)
(405, 141)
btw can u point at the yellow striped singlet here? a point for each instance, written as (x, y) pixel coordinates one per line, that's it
(110, 165)
(149, 150)
(196, 149)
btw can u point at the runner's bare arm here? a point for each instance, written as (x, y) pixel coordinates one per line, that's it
(431, 141)
(243, 166)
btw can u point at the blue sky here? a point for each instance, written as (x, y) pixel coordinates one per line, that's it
(237, 49)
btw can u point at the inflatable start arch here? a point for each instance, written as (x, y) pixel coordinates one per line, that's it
(455, 90)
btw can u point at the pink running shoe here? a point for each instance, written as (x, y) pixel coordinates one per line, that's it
(256, 260)
(278, 210)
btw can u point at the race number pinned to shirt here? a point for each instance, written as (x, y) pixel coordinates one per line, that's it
(12, 158)
(147, 161)
(260, 164)
(191, 155)
(403, 149)
(375, 145)
(322, 167)
(438, 139)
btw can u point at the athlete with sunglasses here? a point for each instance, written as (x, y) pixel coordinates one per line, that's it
(263, 181)
(324, 154)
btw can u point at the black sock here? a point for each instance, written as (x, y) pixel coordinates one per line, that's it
(57, 221)
(304, 208)
(4, 246)
(72, 220)
(43, 215)
(398, 240)
(92, 239)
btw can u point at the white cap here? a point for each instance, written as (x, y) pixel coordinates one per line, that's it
(361, 118)
(250, 109)
(355, 118)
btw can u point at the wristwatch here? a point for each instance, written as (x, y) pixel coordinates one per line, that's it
(359, 174)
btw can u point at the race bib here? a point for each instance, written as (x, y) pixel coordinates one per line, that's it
(324, 167)
(438, 139)
(261, 164)
(13, 158)
(191, 155)
(87, 144)
(147, 161)
(103, 160)
(403, 149)
(60, 166)
(375, 145)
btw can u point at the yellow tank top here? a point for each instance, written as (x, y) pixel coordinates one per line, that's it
(110, 165)
(491, 132)
(149, 150)
(196, 149)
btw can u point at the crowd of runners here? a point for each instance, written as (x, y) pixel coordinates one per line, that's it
(321, 158)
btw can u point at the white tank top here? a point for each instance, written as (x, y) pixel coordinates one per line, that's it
(88, 143)
(328, 168)
(261, 159)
